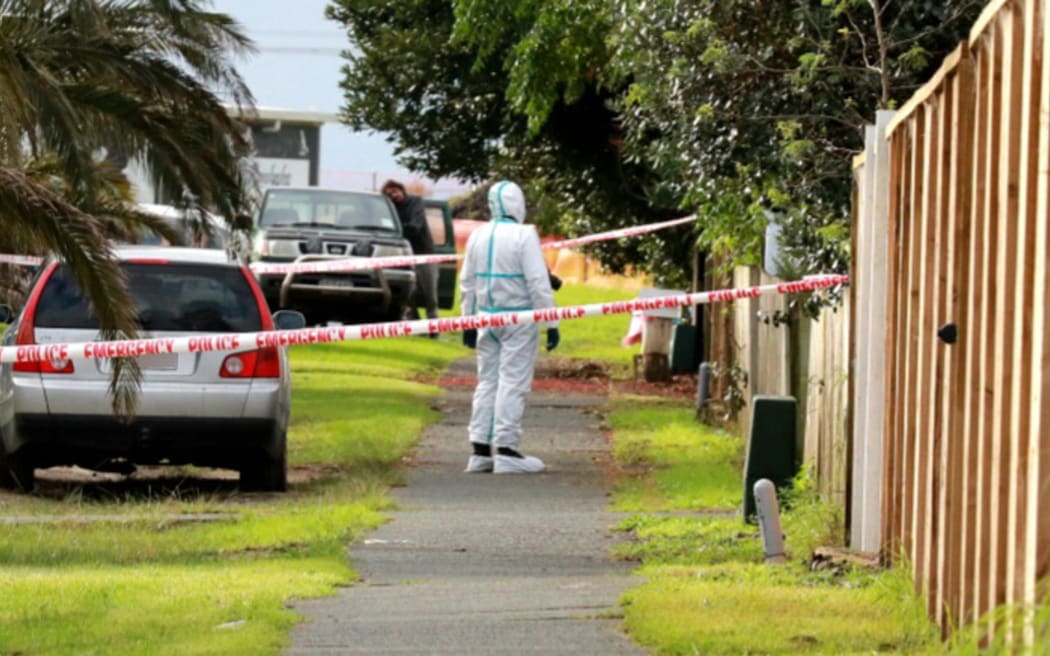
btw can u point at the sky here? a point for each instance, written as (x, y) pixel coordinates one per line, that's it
(297, 66)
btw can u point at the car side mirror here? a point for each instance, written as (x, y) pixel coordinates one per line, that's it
(7, 315)
(288, 320)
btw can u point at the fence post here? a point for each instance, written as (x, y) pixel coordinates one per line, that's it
(869, 358)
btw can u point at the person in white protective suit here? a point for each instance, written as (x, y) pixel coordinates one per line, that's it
(504, 271)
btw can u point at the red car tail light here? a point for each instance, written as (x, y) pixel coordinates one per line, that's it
(238, 365)
(56, 367)
(24, 336)
(263, 363)
(268, 363)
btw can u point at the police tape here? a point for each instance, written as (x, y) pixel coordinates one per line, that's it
(346, 265)
(231, 342)
(351, 264)
(633, 231)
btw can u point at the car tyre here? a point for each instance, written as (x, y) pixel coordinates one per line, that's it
(17, 471)
(267, 472)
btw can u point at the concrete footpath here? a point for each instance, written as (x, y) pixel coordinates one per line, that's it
(487, 564)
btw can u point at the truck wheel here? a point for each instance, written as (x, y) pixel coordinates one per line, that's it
(264, 472)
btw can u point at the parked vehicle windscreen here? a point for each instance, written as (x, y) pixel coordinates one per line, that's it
(190, 236)
(168, 297)
(331, 209)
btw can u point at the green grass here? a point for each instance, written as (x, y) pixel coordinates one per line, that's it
(689, 540)
(299, 525)
(755, 609)
(143, 582)
(595, 338)
(158, 608)
(707, 589)
(690, 466)
(387, 412)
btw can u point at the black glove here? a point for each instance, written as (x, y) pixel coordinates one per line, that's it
(553, 337)
(470, 338)
(555, 281)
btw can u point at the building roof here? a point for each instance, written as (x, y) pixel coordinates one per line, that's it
(266, 114)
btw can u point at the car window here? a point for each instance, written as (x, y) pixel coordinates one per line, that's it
(168, 297)
(217, 239)
(436, 221)
(328, 208)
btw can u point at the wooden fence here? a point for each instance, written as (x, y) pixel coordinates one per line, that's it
(803, 358)
(967, 424)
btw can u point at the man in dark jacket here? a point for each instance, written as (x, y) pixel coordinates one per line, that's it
(414, 226)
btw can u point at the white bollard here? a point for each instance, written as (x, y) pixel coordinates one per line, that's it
(769, 520)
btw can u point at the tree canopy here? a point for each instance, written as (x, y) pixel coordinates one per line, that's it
(615, 113)
(80, 78)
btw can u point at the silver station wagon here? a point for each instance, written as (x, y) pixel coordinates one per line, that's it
(216, 409)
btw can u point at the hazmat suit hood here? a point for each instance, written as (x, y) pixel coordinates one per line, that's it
(506, 200)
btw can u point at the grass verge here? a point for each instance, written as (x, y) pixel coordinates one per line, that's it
(707, 589)
(595, 338)
(149, 576)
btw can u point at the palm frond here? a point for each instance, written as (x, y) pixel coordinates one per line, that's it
(35, 213)
(138, 75)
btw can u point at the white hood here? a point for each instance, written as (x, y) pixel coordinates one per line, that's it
(506, 200)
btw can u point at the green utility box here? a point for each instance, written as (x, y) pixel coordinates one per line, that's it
(770, 446)
(684, 358)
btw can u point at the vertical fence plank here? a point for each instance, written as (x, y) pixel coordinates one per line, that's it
(954, 466)
(901, 379)
(1035, 548)
(984, 576)
(891, 411)
(911, 337)
(929, 256)
(944, 284)
(1006, 212)
(1037, 543)
(971, 334)
(1027, 91)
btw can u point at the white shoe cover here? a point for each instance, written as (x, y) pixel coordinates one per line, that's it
(512, 465)
(479, 464)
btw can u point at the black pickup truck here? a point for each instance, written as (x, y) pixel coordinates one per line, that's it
(309, 224)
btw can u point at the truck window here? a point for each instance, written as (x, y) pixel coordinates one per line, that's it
(436, 221)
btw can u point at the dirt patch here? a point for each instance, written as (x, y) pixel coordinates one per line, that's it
(562, 368)
(152, 482)
(62, 483)
(549, 385)
(565, 376)
(310, 472)
(682, 386)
